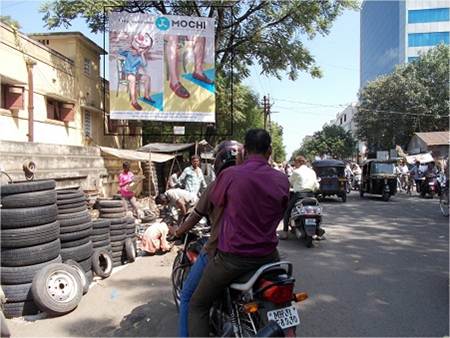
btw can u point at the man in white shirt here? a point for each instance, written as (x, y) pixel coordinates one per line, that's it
(303, 182)
(179, 198)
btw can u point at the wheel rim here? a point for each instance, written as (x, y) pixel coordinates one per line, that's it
(61, 286)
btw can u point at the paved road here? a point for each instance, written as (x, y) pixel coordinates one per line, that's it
(383, 271)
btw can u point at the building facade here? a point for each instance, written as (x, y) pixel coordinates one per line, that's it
(52, 91)
(394, 32)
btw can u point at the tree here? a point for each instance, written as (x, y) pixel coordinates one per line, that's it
(268, 33)
(333, 141)
(415, 97)
(6, 19)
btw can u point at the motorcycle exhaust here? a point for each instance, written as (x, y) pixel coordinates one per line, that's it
(270, 330)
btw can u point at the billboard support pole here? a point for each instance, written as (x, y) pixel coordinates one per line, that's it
(150, 176)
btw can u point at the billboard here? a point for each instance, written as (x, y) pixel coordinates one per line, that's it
(161, 68)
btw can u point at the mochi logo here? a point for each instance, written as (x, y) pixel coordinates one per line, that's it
(162, 23)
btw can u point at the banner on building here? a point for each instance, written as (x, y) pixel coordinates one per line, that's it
(161, 68)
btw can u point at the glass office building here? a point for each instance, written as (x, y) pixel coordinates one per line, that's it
(394, 32)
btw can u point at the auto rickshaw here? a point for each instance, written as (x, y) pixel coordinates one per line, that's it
(378, 177)
(332, 178)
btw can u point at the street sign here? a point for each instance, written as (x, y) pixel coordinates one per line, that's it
(179, 130)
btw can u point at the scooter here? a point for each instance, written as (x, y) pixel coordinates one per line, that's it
(429, 186)
(305, 220)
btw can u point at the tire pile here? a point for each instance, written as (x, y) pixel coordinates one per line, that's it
(76, 230)
(122, 231)
(29, 241)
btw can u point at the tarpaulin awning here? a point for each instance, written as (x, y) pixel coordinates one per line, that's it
(166, 147)
(422, 158)
(133, 155)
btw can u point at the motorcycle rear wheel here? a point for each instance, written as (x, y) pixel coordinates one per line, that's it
(180, 270)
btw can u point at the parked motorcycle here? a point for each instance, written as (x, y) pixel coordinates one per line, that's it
(429, 186)
(259, 304)
(305, 220)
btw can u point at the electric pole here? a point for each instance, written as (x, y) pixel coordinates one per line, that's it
(266, 110)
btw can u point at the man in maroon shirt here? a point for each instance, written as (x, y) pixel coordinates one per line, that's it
(254, 197)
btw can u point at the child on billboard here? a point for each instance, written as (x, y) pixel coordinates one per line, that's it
(135, 60)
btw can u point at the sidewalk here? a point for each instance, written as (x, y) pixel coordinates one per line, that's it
(134, 301)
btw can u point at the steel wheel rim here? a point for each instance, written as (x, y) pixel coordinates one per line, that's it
(61, 286)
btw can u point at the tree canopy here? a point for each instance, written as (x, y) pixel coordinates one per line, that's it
(414, 98)
(333, 141)
(269, 33)
(6, 19)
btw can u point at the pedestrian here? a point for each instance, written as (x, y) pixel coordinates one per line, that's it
(173, 180)
(192, 177)
(417, 173)
(125, 178)
(303, 182)
(181, 199)
(253, 196)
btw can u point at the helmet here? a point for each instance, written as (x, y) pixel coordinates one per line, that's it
(226, 154)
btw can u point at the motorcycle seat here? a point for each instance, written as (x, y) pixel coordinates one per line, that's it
(246, 281)
(309, 201)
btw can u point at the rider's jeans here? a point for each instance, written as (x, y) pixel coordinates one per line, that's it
(189, 286)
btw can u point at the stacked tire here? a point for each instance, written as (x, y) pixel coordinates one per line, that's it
(115, 212)
(29, 240)
(101, 238)
(76, 231)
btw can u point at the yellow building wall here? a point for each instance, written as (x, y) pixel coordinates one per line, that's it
(58, 77)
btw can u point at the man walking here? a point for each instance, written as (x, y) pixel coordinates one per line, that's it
(254, 197)
(192, 177)
(303, 182)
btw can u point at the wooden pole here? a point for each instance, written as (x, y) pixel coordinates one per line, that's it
(150, 177)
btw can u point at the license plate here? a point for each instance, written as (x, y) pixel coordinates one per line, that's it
(310, 221)
(286, 317)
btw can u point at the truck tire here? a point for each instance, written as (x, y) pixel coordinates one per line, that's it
(23, 187)
(25, 217)
(17, 292)
(22, 274)
(78, 253)
(31, 255)
(102, 263)
(29, 199)
(20, 309)
(23, 237)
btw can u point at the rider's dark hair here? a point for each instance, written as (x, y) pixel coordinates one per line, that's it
(257, 141)
(161, 199)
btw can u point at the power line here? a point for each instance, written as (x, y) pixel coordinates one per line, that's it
(311, 103)
(405, 113)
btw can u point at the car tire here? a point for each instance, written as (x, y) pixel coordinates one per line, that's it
(72, 236)
(101, 244)
(102, 263)
(118, 238)
(76, 228)
(20, 309)
(112, 210)
(78, 253)
(130, 250)
(72, 210)
(112, 215)
(81, 274)
(17, 292)
(65, 219)
(100, 231)
(118, 226)
(31, 255)
(24, 187)
(25, 217)
(74, 243)
(66, 284)
(99, 238)
(74, 200)
(30, 236)
(101, 224)
(29, 199)
(86, 264)
(106, 204)
(71, 206)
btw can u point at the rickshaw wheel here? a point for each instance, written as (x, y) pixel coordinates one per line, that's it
(344, 197)
(361, 193)
(386, 196)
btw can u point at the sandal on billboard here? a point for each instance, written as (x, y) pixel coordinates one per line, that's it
(149, 99)
(179, 90)
(202, 77)
(136, 105)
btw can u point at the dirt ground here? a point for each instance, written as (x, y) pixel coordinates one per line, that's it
(135, 301)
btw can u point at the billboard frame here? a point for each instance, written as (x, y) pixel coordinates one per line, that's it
(230, 115)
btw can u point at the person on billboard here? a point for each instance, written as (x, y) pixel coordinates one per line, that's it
(172, 52)
(134, 62)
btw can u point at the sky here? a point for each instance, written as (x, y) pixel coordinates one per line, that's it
(301, 107)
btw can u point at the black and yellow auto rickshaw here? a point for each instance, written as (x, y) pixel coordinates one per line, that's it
(378, 177)
(332, 178)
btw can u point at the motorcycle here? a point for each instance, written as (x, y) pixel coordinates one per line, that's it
(443, 196)
(258, 304)
(356, 181)
(429, 186)
(305, 220)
